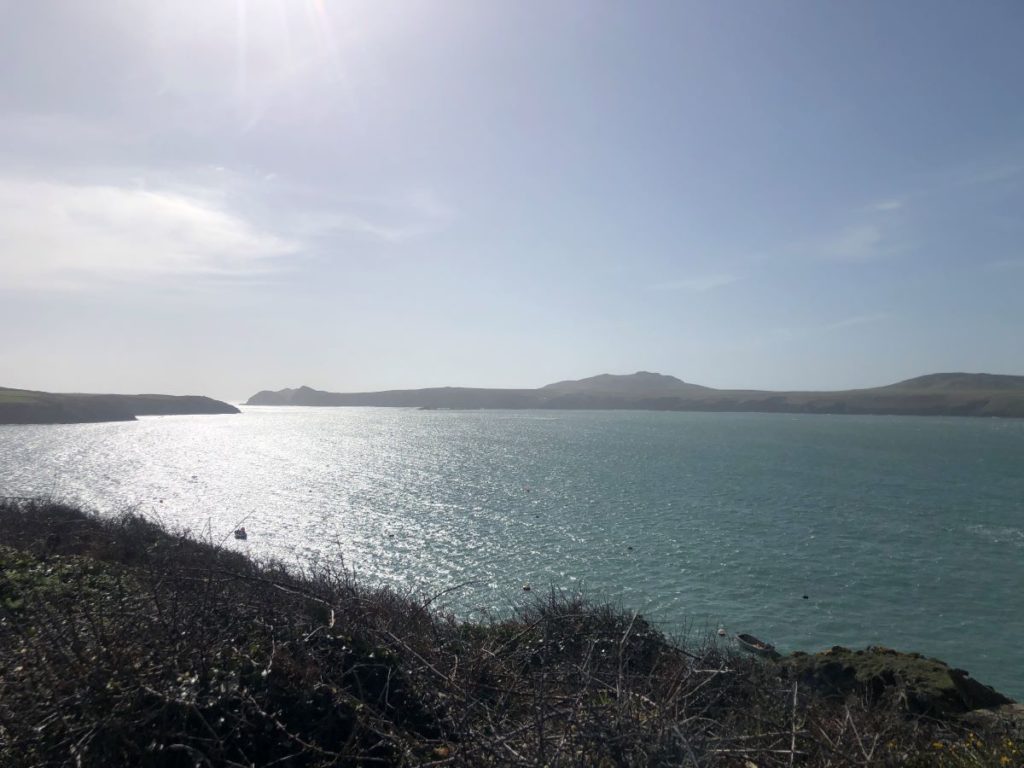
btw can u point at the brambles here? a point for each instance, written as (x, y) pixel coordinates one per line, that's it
(121, 643)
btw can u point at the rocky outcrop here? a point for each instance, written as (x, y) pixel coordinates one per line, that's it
(1007, 718)
(925, 686)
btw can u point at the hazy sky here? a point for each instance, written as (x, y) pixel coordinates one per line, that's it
(220, 197)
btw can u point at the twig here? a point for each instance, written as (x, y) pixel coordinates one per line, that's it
(792, 738)
(444, 592)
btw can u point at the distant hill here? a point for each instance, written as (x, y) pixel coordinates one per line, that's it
(22, 406)
(437, 397)
(940, 394)
(639, 384)
(960, 382)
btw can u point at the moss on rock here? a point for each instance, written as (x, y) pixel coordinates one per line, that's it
(923, 685)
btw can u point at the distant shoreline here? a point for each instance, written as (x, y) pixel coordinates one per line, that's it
(21, 406)
(564, 409)
(943, 394)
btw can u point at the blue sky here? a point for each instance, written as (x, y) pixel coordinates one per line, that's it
(221, 197)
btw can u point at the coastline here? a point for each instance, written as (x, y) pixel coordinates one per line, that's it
(940, 394)
(19, 406)
(316, 664)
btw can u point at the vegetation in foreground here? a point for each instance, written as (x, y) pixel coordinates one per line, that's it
(124, 644)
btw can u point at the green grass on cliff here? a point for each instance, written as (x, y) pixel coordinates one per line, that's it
(123, 644)
(17, 396)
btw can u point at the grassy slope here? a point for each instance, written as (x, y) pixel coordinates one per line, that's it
(27, 407)
(17, 395)
(121, 644)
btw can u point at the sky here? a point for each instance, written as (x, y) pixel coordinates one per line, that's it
(223, 196)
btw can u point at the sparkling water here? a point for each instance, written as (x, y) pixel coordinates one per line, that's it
(807, 531)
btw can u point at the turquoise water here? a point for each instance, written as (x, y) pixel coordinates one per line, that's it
(907, 532)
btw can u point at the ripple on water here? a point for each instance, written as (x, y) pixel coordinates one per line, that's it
(900, 531)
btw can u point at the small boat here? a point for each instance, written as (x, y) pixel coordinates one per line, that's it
(240, 533)
(752, 644)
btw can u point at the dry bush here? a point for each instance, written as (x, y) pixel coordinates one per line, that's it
(124, 644)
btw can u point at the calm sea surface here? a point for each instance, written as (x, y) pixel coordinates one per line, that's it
(907, 532)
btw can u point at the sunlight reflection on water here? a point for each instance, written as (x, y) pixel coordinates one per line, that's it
(902, 531)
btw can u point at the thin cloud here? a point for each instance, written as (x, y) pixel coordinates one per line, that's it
(997, 173)
(61, 236)
(853, 322)
(893, 204)
(862, 242)
(805, 331)
(326, 224)
(875, 232)
(392, 219)
(48, 130)
(1005, 265)
(1006, 167)
(698, 284)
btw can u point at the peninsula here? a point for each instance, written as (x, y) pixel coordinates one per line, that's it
(938, 394)
(22, 406)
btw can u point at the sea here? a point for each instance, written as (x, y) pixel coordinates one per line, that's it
(807, 531)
